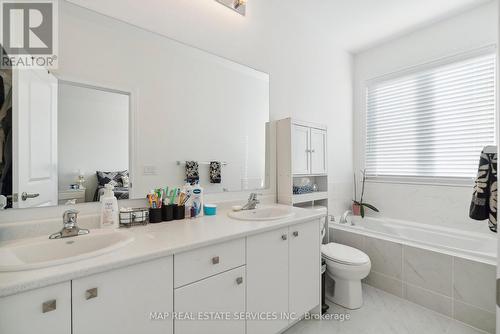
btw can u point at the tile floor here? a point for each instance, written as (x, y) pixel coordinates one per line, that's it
(383, 313)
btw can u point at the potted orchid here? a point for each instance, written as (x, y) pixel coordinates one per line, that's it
(358, 207)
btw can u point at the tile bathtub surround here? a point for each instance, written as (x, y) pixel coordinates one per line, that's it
(452, 286)
(429, 270)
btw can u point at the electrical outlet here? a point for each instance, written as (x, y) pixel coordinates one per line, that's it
(150, 170)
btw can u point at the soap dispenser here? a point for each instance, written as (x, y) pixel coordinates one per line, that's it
(109, 208)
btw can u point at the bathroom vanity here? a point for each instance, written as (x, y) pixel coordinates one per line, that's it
(172, 276)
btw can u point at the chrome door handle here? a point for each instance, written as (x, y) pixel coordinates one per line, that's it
(215, 260)
(284, 237)
(49, 306)
(91, 293)
(296, 233)
(239, 280)
(25, 196)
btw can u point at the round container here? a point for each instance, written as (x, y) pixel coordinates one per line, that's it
(167, 212)
(210, 209)
(155, 215)
(179, 212)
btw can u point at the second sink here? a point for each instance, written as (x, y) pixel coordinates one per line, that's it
(263, 213)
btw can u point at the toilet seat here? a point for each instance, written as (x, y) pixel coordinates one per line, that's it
(344, 254)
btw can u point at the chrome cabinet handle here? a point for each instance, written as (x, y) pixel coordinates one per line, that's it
(312, 151)
(215, 260)
(91, 293)
(284, 237)
(239, 280)
(296, 233)
(25, 196)
(49, 306)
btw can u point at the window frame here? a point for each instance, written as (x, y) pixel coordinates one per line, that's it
(362, 127)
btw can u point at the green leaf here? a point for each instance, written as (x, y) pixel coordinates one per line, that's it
(362, 211)
(369, 206)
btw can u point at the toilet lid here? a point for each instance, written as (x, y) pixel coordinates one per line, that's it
(344, 254)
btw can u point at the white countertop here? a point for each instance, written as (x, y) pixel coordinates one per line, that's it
(150, 242)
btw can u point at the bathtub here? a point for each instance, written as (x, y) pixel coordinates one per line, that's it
(469, 245)
(449, 271)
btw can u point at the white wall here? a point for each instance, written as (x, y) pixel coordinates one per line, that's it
(93, 128)
(311, 79)
(439, 205)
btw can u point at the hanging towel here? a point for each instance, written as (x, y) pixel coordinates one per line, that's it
(484, 199)
(215, 172)
(192, 174)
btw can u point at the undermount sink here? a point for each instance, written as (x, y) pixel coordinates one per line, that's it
(262, 214)
(43, 252)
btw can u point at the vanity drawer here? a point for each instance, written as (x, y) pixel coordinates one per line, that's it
(203, 262)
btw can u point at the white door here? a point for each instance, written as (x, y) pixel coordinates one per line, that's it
(267, 279)
(120, 301)
(220, 293)
(42, 311)
(301, 150)
(34, 138)
(319, 156)
(305, 267)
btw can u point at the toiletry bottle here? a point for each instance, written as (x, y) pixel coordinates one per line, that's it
(109, 208)
(197, 199)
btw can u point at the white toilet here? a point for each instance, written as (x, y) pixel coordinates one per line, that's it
(346, 266)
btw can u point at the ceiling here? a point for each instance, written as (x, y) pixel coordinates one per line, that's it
(365, 23)
(353, 25)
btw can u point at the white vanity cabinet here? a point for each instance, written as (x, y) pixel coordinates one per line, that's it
(267, 279)
(223, 293)
(207, 280)
(120, 301)
(283, 275)
(305, 268)
(43, 311)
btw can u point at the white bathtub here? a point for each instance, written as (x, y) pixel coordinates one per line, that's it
(469, 245)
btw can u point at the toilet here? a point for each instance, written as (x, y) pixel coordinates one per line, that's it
(346, 266)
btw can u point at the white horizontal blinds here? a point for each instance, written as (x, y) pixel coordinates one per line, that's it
(432, 123)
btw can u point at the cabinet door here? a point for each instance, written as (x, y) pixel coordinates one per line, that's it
(300, 150)
(267, 279)
(121, 301)
(305, 267)
(42, 311)
(212, 296)
(319, 156)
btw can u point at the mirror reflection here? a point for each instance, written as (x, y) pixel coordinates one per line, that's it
(145, 113)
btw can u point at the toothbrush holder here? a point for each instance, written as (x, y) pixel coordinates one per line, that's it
(167, 212)
(179, 212)
(155, 215)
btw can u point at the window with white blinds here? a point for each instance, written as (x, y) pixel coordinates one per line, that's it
(432, 124)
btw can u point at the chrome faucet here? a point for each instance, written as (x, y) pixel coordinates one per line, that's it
(70, 227)
(252, 202)
(343, 219)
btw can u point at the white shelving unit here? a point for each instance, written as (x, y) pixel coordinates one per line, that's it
(302, 154)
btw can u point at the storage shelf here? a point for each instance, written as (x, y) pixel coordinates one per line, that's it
(315, 196)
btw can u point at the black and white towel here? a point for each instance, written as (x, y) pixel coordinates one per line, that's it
(215, 172)
(484, 199)
(192, 173)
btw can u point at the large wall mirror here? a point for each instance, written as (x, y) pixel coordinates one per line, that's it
(133, 115)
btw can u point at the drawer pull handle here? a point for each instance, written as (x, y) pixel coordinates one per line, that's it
(91, 293)
(239, 280)
(284, 237)
(49, 306)
(296, 234)
(215, 260)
